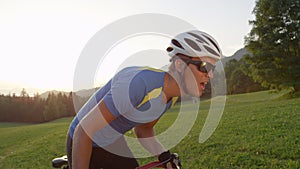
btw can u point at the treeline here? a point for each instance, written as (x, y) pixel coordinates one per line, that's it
(237, 79)
(35, 109)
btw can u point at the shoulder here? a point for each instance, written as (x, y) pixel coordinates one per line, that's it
(139, 75)
(135, 70)
(151, 76)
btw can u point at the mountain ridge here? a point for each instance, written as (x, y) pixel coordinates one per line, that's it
(237, 55)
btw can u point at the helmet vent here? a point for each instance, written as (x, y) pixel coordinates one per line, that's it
(192, 44)
(169, 49)
(213, 43)
(211, 50)
(198, 38)
(176, 43)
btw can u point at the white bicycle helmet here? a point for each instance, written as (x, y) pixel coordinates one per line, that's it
(195, 44)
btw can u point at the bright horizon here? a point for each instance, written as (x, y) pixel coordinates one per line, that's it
(42, 40)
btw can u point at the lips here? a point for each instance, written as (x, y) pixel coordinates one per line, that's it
(202, 84)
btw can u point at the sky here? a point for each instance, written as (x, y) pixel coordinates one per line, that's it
(41, 40)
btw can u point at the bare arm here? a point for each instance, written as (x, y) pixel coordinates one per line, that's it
(95, 120)
(146, 136)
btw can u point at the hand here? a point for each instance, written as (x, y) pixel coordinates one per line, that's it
(171, 161)
(175, 161)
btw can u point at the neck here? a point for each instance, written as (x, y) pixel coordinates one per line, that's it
(171, 88)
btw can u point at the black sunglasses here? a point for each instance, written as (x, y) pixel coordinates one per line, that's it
(202, 66)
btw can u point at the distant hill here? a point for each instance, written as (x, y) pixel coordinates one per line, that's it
(84, 93)
(45, 94)
(237, 55)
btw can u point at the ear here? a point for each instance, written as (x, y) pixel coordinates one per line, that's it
(179, 65)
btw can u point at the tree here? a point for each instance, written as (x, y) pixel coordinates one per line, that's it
(274, 42)
(23, 93)
(68, 101)
(51, 110)
(56, 107)
(237, 79)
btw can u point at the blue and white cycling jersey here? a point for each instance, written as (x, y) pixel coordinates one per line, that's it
(133, 96)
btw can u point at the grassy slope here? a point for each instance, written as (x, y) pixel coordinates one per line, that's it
(257, 130)
(31, 146)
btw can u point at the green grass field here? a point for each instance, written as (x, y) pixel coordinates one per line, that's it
(257, 130)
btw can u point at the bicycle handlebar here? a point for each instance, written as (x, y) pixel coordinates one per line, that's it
(62, 162)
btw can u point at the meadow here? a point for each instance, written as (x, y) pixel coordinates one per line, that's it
(257, 130)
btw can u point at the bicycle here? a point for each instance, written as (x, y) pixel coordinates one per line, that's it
(62, 163)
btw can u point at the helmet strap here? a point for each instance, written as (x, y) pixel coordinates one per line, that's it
(179, 77)
(182, 81)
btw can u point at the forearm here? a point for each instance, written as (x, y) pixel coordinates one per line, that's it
(149, 141)
(81, 149)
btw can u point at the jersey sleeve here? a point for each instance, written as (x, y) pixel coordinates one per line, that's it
(127, 91)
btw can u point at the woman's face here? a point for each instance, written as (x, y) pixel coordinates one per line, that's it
(196, 80)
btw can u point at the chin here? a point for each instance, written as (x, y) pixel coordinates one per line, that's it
(200, 92)
(197, 94)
